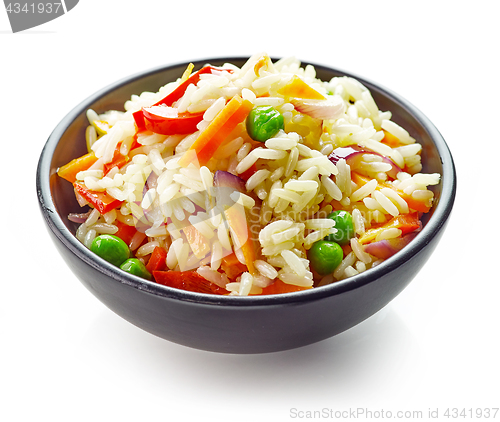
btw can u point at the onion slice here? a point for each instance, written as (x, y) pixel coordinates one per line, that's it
(384, 249)
(320, 109)
(225, 184)
(79, 218)
(151, 182)
(352, 152)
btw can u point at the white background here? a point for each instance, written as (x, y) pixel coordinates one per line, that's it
(65, 356)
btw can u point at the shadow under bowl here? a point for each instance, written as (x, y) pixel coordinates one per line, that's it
(233, 324)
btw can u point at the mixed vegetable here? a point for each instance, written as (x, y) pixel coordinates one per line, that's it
(246, 162)
(264, 122)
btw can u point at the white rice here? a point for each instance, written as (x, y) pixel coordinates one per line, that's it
(289, 195)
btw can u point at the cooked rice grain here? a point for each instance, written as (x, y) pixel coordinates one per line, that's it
(292, 189)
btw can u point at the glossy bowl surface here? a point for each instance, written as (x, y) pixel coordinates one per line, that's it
(227, 323)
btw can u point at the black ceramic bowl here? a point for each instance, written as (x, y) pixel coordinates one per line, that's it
(227, 323)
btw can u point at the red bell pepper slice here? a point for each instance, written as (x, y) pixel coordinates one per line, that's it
(157, 262)
(118, 160)
(135, 144)
(176, 94)
(182, 123)
(100, 200)
(139, 120)
(248, 173)
(187, 280)
(125, 232)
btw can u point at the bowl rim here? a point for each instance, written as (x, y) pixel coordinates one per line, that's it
(430, 230)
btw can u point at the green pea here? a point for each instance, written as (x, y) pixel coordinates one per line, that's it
(324, 256)
(264, 122)
(344, 226)
(136, 267)
(111, 248)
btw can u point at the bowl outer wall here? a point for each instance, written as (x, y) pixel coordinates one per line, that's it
(232, 324)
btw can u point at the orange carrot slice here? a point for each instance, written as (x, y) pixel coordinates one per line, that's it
(414, 204)
(70, 170)
(407, 223)
(279, 287)
(236, 218)
(391, 140)
(235, 111)
(197, 241)
(232, 267)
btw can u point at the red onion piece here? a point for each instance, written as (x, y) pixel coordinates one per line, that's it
(351, 152)
(151, 182)
(79, 218)
(229, 180)
(384, 249)
(225, 184)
